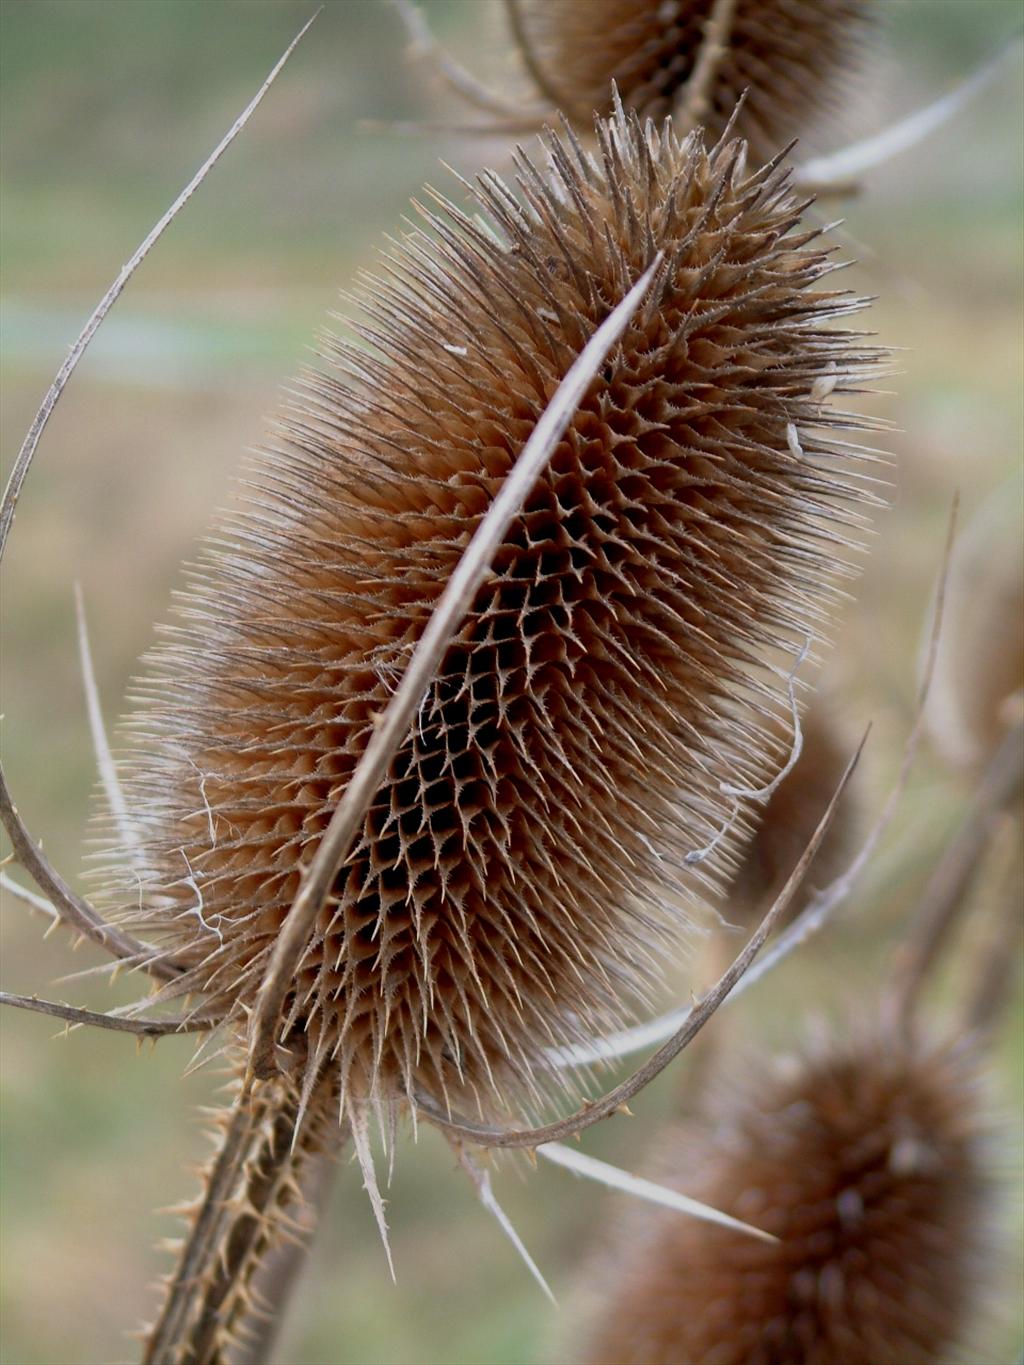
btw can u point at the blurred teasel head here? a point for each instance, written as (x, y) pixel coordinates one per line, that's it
(865, 1160)
(791, 59)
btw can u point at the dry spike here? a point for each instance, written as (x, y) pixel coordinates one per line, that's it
(865, 1160)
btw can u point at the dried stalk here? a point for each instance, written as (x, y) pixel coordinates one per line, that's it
(697, 91)
(423, 45)
(946, 893)
(278, 1277)
(1000, 956)
(140, 1025)
(393, 726)
(75, 911)
(535, 70)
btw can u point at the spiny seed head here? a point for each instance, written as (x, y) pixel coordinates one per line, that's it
(514, 871)
(978, 691)
(789, 56)
(864, 1160)
(784, 825)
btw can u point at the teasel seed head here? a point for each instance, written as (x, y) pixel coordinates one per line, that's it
(513, 875)
(978, 692)
(866, 1161)
(791, 57)
(784, 824)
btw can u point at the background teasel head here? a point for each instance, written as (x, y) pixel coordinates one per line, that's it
(792, 58)
(979, 686)
(864, 1158)
(509, 883)
(785, 823)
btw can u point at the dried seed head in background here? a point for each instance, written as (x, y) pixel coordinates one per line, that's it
(979, 683)
(511, 875)
(783, 827)
(790, 56)
(864, 1160)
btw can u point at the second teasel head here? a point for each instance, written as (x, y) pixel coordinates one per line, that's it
(791, 59)
(513, 876)
(867, 1159)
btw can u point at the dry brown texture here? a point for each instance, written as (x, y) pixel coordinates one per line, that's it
(785, 824)
(511, 882)
(252, 1199)
(790, 56)
(864, 1159)
(979, 685)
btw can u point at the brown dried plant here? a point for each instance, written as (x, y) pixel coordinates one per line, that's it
(864, 1157)
(868, 1155)
(979, 683)
(428, 768)
(695, 59)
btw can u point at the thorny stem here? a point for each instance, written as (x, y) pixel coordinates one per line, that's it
(946, 892)
(72, 908)
(209, 1300)
(393, 725)
(163, 1340)
(697, 1017)
(248, 1237)
(277, 1278)
(140, 1025)
(696, 94)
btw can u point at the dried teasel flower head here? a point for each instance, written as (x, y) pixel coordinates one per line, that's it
(785, 823)
(509, 883)
(865, 1160)
(789, 56)
(978, 692)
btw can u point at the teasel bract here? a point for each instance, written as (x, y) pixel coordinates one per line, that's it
(866, 1159)
(512, 884)
(791, 59)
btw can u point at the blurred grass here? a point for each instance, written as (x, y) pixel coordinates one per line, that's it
(105, 110)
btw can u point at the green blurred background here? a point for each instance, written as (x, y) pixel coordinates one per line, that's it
(107, 106)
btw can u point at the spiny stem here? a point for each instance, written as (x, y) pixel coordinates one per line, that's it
(139, 1025)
